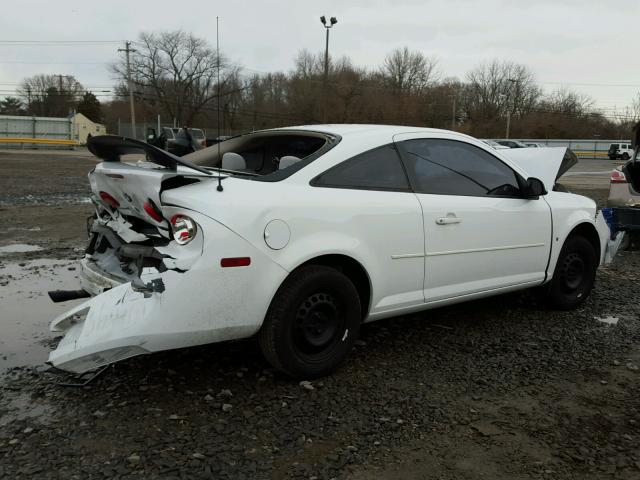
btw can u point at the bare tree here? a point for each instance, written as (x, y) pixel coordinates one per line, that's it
(178, 71)
(633, 113)
(409, 71)
(566, 101)
(51, 95)
(500, 86)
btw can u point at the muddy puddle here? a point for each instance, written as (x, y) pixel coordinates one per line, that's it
(26, 310)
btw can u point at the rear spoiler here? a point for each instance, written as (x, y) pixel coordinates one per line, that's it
(110, 147)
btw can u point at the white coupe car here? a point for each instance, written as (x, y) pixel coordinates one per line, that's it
(298, 235)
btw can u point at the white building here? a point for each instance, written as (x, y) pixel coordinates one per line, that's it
(83, 127)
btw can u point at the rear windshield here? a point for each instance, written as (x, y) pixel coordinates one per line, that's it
(260, 155)
(196, 133)
(614, 146)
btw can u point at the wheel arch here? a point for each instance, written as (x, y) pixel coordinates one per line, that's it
(588, 231)
(352, 268)
(584, 229)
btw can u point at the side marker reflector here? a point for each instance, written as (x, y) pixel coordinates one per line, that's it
(235, 262)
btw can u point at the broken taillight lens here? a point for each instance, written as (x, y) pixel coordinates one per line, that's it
(109, 200)
(618, 177)
(152, 211)
(184, 229)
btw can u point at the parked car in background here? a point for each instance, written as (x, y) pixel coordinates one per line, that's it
(215, 140)
(511, 143)
(199, 136)
(624, 185)
(495, 145)
(535, 145)
(623, 151)
(299, 235)
(178, 141)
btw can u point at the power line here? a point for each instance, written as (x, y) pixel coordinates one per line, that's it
(51, 63)
(59, 42)
(582, 84)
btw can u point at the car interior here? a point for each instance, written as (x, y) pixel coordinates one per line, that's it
(260, 153)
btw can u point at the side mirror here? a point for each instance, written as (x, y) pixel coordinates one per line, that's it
(534, 188)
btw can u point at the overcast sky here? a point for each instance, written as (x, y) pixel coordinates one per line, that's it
(588, 45)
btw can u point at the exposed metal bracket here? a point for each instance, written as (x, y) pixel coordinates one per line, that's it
(81, 380)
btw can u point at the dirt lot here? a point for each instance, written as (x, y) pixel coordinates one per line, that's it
(495, 389)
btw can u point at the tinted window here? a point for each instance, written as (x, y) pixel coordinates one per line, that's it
(375, 169)
(447, 167)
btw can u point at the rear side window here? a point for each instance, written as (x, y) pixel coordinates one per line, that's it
(448, 167)
(378, 169)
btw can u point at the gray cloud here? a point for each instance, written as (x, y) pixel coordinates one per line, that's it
(568, 41)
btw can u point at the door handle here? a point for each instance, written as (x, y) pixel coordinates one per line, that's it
(448, 220)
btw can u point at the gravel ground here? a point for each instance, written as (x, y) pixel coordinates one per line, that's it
(496, 389)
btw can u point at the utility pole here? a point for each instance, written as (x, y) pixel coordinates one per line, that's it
(453, 114)
(512, 81)
(127, 51)
(332, 22)
(60, 101)
(508, 123)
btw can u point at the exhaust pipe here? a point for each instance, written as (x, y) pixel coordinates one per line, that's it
(63, 295)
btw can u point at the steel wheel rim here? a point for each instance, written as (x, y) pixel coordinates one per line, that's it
(573, 272)
(318, 322)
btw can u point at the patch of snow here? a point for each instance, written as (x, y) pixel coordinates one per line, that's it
(19, 248)
(609, 320)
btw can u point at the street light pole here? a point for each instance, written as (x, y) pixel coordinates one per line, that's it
(512, 81)
(508, 123)
(327, 26)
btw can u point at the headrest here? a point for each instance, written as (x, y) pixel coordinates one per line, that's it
(287, 161)
(233, 161)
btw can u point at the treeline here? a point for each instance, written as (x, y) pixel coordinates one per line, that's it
(180, 76)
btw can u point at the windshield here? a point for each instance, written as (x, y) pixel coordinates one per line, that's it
(196, 133)
(274, 154)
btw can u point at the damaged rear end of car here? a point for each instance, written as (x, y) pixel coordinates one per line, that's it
(145, 266)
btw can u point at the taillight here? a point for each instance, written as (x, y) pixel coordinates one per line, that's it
(184, 229)
(152, 210)
(109, 200)
(618, 177)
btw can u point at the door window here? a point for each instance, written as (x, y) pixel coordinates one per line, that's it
(377, 169)
(448, 167)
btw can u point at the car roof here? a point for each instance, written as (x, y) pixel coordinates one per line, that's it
(364, 130)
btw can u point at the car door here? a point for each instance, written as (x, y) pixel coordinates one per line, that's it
(367, 199)
(481, 235)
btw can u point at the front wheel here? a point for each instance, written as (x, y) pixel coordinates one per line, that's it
(312, 322)
(574, 274)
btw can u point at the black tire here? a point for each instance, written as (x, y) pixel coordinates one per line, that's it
(625, 244)
(625, 156)
(574, 274)
(312, 322)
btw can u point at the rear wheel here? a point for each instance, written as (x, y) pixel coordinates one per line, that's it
(574, 275)
(312, 322)
(625, 156)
